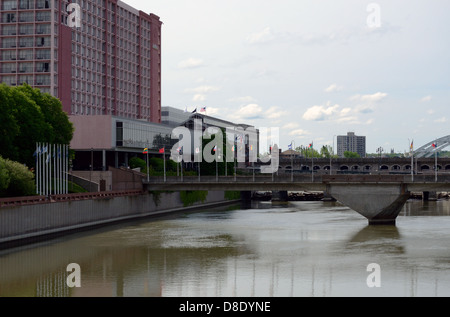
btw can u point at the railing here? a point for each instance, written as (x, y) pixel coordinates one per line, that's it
(33, 200)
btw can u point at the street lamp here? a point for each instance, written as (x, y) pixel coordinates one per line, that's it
(292, 160)
(380, 151)
(331, 154)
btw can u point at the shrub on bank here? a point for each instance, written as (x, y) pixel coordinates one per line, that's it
(15, 179)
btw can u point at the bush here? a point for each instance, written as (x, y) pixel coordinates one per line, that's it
(18, 179)
(136, 162)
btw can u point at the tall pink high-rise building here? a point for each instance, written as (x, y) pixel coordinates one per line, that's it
(107, 62)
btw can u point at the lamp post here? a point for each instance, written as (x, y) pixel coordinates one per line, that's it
(380, 150)
(331, 155)
(292, 160)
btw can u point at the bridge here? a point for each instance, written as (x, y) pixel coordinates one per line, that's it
(379, 198)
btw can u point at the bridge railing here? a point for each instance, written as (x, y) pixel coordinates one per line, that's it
(239, 179)
(286, 178)
(34, 200)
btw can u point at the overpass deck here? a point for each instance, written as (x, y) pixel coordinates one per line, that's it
(286, 182)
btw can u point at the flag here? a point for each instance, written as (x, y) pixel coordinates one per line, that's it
(290, 146)
(215, 148)
(203, 109)
(412, 145)
(195, 110)
(311, 145)
(185, 109)
(145, 151)
(161, 150)
(435, 145)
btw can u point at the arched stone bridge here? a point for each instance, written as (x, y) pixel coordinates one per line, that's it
(363, 165)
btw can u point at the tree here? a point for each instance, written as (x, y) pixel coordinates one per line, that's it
(9, 127)
(348, 154)
(207, 168)
(28, 116)
(15, 179)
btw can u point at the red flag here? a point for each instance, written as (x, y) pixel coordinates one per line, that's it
(145, 151)
(161, 150)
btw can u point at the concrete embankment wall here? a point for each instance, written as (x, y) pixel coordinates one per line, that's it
(29, 223)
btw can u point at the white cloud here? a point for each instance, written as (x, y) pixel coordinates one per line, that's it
(275, 113)
(245, 99)
(190, 63)
(201, 89)
(299, 133)
(264, 36)
(250, 111)
(333, 88)
(320, 113)
(441, 120)
(211, 111)
(291, 126)
(369, 98)
(426, 99)
(199, 97)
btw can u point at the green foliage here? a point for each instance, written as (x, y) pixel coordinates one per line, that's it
(348, 154)
(4, 176)
(232, 195)
(15, 179)
(28, 116)
(191, 197)
(219, 164)
(308, 152)
(136, 162)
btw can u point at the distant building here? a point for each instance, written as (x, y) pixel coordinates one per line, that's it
(351, 143)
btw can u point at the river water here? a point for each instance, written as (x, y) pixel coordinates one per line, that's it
(300, 249)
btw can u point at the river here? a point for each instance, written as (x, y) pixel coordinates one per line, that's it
(299, 249)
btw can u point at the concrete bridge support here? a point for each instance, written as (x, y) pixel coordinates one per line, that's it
(280, 196)
(429, 196)
(379, 203)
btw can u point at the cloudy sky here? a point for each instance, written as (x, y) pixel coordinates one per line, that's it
(313, 68)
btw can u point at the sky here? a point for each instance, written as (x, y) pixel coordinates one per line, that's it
(314, 69)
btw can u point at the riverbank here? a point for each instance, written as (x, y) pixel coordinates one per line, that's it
(39, 218)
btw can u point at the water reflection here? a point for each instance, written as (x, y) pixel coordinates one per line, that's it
(296, 249)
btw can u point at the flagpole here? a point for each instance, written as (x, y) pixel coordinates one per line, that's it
(435, 164)
(164, 158)
(312, 161)
(412, 160)
(148, 172)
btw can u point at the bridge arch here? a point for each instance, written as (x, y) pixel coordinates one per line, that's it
(425, 167)
(396, 168)
(384, 168)
(344, 168)
(428, 149)
(447, 167)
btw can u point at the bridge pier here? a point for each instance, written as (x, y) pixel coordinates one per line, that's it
(429, 196)
(280, 196)
(379, 203)
(246, 199)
